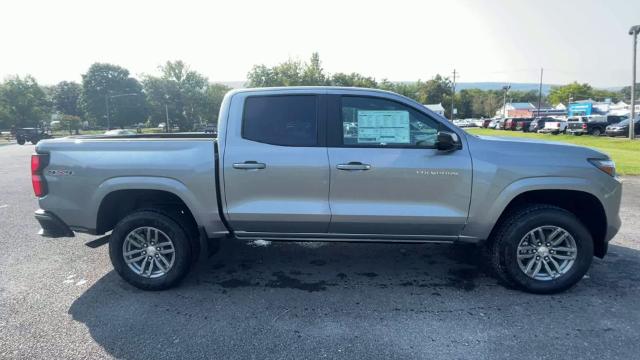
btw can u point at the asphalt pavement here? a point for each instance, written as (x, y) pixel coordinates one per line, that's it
(60, 298)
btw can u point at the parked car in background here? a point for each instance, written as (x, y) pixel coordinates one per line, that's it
(33, 135)
(538, 123)
(622, 128)
(555, 127)
(509, 124)
(594, 124)
(116, 132)
(486, 122)
(463, 123)
(499, 124)
(523, 124)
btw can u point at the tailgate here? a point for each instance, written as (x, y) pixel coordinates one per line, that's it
(574, 125)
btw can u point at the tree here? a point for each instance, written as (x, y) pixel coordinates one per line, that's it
(215, 95)
(313, 74)
(180, 93)
(289, 73)
(23, 103)
(66, 98)
(71, 123)
(625, 93)
(107, 86)
(574, 91)
(353, 80)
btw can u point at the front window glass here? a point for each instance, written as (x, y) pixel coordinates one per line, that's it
(368, 121)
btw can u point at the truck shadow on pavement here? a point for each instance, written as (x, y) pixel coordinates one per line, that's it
(277, 300)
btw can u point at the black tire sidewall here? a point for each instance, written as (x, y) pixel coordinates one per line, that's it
(167, 225)
(557, 217)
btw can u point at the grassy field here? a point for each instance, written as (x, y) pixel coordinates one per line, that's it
(625, 153)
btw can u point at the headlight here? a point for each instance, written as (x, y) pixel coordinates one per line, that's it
(606, 165)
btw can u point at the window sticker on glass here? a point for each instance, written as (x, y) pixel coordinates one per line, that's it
(383, 127)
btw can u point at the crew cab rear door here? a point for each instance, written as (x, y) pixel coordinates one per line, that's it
(275, 163)
(387, 178)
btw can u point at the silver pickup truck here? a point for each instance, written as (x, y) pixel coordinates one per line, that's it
(330, 164)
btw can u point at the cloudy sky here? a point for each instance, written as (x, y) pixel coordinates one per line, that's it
(485, 40)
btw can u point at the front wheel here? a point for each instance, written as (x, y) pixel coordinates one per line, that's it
(20, 141)
(542, 249)
(150, 250)
(596, 132)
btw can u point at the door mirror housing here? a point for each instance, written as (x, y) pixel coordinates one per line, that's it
(447, 141)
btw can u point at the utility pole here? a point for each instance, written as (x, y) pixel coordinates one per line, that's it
(540, 92)
(504, 100)
(632, 123)
(106, 104)
(453, 96)
(166, 114)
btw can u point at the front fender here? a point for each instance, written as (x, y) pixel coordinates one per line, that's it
(484, 213)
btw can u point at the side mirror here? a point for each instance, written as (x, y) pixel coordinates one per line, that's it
(447, 141)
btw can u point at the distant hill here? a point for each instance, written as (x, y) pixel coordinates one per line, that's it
(499, 85)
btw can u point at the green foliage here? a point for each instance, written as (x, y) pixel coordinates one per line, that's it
(215, 95)
(107, 86)
(23, 103)
(574, 91)
(71, 123)
(185, 95)
(66, 98)
(625, 93)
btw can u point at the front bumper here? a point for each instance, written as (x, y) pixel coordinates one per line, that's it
(577, 131)
(51, 225)
(617, 132)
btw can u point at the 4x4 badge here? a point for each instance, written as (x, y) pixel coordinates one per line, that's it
(60, 172)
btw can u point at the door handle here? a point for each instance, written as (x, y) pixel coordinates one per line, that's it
(249, 165)
(353, 165)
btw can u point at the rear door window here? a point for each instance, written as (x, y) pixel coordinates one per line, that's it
(290, 120)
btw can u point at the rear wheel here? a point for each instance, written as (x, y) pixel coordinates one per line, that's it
(21, 141)
(542, 249)
(150, 250)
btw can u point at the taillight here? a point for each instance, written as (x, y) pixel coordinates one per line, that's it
(38, 163)
(584, 126)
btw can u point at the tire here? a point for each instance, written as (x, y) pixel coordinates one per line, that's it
(21, 141)
(177, 264)
(34, 141)
(596, 132)
(504, 249)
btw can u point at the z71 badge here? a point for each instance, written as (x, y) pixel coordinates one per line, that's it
(60, 172)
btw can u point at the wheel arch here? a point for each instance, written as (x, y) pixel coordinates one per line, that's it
(572, 194)
(584, 205)
(117, 197)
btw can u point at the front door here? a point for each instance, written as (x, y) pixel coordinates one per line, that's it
(386, 175)
(276, 168)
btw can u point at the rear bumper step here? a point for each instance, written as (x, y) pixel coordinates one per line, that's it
(51, 225)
